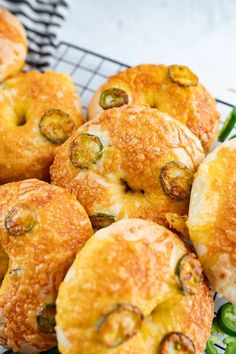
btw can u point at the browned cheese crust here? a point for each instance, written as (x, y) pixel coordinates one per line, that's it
(38, 258)
(131, 263)
(24, 99)
(13, 45)
(125, 181)
(151, 85)
(212, 218)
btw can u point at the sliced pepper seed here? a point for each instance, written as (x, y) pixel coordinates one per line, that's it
(20, 220)
(86, 149)
(56, 126)
(176, 180)
(113, 97)
(120, 324)
(176, 343)
(182, 75)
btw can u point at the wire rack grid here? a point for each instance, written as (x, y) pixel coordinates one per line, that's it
(90, 70)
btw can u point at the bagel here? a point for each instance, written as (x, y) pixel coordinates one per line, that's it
(212, 218)
(13, 45)
(38, 112)
(41, 229)
(127, 292)
(132, 161)
(173, 89)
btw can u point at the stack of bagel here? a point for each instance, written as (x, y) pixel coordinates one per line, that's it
(96, 219)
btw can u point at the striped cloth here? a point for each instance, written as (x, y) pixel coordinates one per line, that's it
(42, 20)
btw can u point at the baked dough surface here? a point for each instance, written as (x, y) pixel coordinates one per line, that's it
(151, 85)
(41, 229)
(212, 218)
(124, 181)
(24, 100)
(130, 262)
(13, 45)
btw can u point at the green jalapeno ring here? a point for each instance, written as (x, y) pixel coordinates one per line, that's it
(56, 126)
(215, 331)
(176, 180)
(231, 345)
(113, 97)
(228, 126)
(226, 318)
(20, 220)
(46, 319)
(86, 149)
(101, 220)
(182, 75)
(119, 324)
(210, 348)
(173, 342)
(189, 273)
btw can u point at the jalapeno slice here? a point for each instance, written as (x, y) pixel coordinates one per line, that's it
(210, 348)
(100, 220)
(182, 75)
(113, 97)
(120, 324)
(189, 272)
(20, 220)
(228, 126)
(176, 180)
(226, 318)
(86, 149)
(46, 319)
(178, 223)
(231, 345)
(56, 126)
(176, 343)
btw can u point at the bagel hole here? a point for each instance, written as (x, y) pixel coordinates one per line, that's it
(128, 189)
(4, 264)
(21, 119)
(154, 105)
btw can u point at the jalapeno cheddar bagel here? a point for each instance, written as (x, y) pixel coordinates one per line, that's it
(38, 112)
(132, 161)
(41, 229)
(12, 43)
(172, 89)
(212, 218)
(134, 288)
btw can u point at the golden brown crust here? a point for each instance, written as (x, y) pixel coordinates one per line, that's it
(130, 262)
(125, 182)
(13, 45)
(25, 152)
(151, 85)
(212, 218)
(38, 259)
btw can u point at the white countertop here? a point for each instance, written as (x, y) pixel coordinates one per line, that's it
(200, 34)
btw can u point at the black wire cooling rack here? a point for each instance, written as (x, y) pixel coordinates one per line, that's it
(90, 70)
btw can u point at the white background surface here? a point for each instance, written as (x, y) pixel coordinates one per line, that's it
(197, 33)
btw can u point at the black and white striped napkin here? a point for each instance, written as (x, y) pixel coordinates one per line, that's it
(42, 20)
